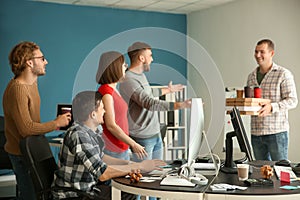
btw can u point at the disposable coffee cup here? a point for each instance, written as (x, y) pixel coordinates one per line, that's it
(248, 92)
(65, 110)
(257, 92)
(243, 171)
(239, 93)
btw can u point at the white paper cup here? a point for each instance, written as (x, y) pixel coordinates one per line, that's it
(65, 110)
(243, 171)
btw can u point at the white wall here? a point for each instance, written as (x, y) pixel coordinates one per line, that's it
(229, 33)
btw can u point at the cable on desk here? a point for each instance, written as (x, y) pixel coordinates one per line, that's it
(215, 157)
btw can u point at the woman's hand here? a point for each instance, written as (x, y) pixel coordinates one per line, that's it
(139, 151)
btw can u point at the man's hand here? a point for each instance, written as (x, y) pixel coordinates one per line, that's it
(150, 165)
(185, 104)
(174, 88)
(266, 109)
(63, 120)
(171, 88)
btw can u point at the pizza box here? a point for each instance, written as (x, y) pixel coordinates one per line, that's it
(246, 106)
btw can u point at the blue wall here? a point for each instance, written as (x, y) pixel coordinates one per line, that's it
(73, 37)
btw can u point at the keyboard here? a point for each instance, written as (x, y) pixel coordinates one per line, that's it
(206, 166)
(176, 181)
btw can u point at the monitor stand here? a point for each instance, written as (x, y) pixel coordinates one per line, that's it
(176, 180)
(216, 165)
(229, 170)
(229, 166)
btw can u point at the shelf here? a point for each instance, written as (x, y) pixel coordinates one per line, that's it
(176, 148)
(175, 127)
(175, 140)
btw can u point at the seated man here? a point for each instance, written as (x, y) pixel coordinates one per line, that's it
(83, 165)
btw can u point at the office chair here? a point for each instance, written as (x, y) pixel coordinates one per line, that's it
(41, 164)
(5, 164)
(4, 159)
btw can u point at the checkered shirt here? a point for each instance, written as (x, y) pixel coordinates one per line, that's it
(278, 85)
(80, 160)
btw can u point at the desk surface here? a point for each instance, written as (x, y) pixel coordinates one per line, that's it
(222, 178)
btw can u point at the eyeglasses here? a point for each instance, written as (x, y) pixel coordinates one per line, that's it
(42, 57)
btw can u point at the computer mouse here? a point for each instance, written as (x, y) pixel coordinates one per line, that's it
(285, 163)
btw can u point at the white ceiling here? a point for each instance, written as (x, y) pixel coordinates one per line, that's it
(168, 6)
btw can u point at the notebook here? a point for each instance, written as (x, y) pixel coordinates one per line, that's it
(278, 170)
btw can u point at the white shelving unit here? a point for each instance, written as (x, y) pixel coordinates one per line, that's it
(175, 140)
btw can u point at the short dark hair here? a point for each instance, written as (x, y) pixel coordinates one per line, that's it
(110, 67)
(21, 53)
(269, 42)
(84, 103)
(135, 50)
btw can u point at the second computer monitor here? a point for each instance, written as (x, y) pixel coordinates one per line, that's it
(196, 129)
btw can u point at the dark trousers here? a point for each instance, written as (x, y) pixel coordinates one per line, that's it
(25, 187)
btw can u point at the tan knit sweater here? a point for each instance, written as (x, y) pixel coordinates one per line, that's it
(21, 106)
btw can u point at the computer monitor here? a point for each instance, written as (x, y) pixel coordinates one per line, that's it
(196, 129)
(186, 173)
(240, 133)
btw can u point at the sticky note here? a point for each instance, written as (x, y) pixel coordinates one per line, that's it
(285, 176)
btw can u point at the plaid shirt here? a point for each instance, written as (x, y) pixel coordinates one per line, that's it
(278, 85)
(81, 161)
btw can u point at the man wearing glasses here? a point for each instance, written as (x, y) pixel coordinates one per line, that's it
(21, 106)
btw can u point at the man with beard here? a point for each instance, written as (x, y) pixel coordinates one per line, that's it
(144, 125)
(269, 130)
(21, 106)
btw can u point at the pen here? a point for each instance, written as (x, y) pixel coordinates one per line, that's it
(221, 189)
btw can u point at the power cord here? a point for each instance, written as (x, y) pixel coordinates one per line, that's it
(215, 158)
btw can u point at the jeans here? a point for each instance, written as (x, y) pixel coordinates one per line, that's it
(24, 182)
(124, 155)
(154, 149)
(271, 147)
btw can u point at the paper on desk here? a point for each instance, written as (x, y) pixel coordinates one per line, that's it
(147, 180)
(226, 186)
(290, 187)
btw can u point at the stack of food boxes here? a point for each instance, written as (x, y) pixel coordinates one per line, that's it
(246, 106)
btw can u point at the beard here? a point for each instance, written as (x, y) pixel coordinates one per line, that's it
(146, 67)
(39, 71)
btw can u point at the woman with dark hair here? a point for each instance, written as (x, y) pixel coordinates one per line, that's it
(111, 70)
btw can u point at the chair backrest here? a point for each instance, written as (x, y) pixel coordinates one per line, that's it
(4, 159)
(40, 162)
